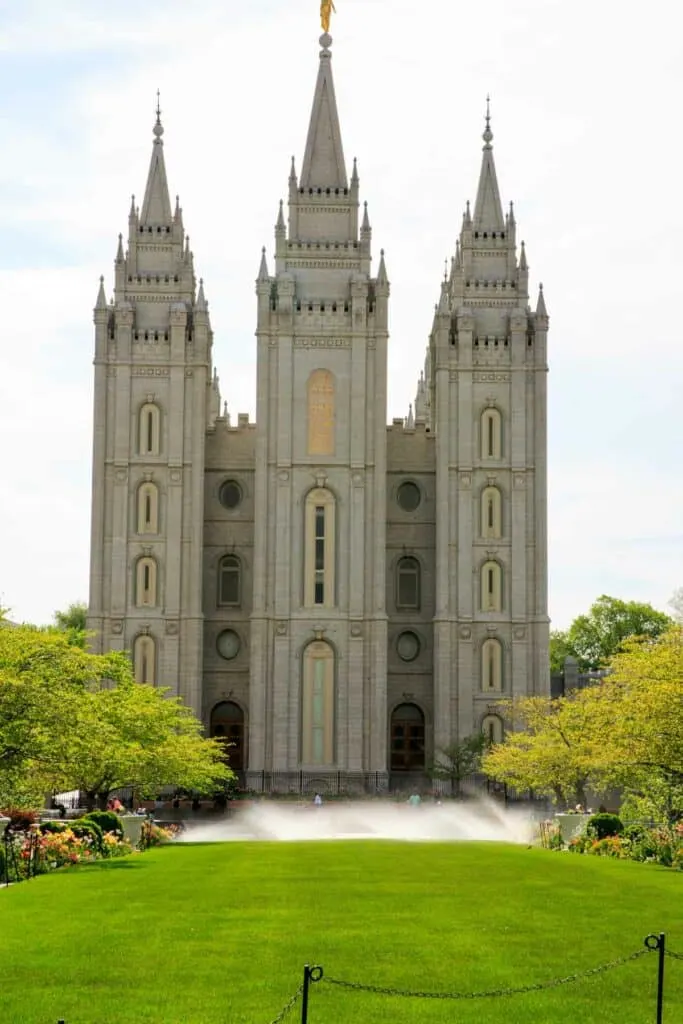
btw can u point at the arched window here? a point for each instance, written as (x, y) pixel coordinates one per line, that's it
(144, 659)
(408, 583)
(491, 587)
(317, 710)
(491, 513)
(229, 580)
(321, 413)
(407, 739)
(319, 582)
(148, 508)
(492, 729)
(492, 666)
(227, 725)
(150, 429)
(491, 434)
(146, 583)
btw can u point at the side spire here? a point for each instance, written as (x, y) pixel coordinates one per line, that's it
(488, 211)
(324, 165)
(156, 206)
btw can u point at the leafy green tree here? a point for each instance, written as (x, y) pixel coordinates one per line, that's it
(638, 712)
(559, 650)
(550, 748)
(74, 720)
(594, 639)
(72, 621)
(458, 760)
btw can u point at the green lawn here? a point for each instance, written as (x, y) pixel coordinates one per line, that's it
(218, 934)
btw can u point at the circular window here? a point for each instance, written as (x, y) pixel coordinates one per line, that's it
(228, 644)
(408, 496)
(408, 646)
(230, 494)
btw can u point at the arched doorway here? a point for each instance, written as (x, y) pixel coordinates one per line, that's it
(407, 739)
(227, 725)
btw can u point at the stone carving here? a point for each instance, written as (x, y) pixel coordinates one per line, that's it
(176, 476)
(281, 629)
(172, 627)
(520, 480)
(150, 371)
(121, 475)
(283, 476)
(358, 480)
(466, 633)
(117, 626)
(520, 633)
(322, 343)
(489, 378)
(356, 630)
(465, 480)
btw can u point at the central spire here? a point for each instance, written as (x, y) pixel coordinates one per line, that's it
(324, 165)
(156, 206)
(488, 211)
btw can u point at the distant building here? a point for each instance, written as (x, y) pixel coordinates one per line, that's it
(338, 597)
(570, 678)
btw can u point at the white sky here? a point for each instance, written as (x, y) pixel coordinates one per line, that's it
(585, 118)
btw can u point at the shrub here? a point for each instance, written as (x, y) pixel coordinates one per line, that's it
(53, 826)
(602, 826)
(84, 829)
(107, 821)
(20, 819)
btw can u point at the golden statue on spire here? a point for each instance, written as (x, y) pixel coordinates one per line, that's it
(326, 9)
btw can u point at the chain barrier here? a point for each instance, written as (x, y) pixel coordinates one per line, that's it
(674, 956)
(489, 993)
(288, 1007)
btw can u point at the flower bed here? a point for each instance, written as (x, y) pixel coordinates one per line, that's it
(657, 844)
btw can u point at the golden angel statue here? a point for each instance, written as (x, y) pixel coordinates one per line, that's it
(326, 9)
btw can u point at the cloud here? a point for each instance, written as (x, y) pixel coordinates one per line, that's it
(590, 169)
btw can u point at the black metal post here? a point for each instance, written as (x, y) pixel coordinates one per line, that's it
(658, 942)
(661, 947)
(311, 974)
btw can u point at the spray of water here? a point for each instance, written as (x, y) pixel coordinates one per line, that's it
(279, 822)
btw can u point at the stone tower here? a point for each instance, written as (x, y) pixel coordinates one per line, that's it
(485, 399)
(154, 396)
(318, 625)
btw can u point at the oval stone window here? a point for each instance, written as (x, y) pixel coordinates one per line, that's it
(408, 646)
(230, 494)
(228, 644)
(408, 496)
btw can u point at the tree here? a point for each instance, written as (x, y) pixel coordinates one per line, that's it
(550, 749)
(638, 710)
(458, 760)
(134, 735)
(72, 621)
(593, 639)
(559, 650)
(74, 720)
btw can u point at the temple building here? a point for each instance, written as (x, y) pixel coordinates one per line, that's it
(339, 597)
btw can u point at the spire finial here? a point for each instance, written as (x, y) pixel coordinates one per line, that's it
(158, 127)
(488, 134)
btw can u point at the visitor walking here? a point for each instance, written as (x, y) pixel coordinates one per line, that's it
(318, 800)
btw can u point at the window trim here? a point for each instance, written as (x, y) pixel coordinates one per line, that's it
(220, 602)
(146, 591)
(148, 492)
(322, 720)
(491, 502)
(401, 606)
(491, 586)
(144, 651)
(492, 666)
(497, 733)
(491, 424)
(317, 498)
(149, 429)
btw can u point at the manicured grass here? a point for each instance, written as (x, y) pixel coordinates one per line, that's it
(218, 934)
